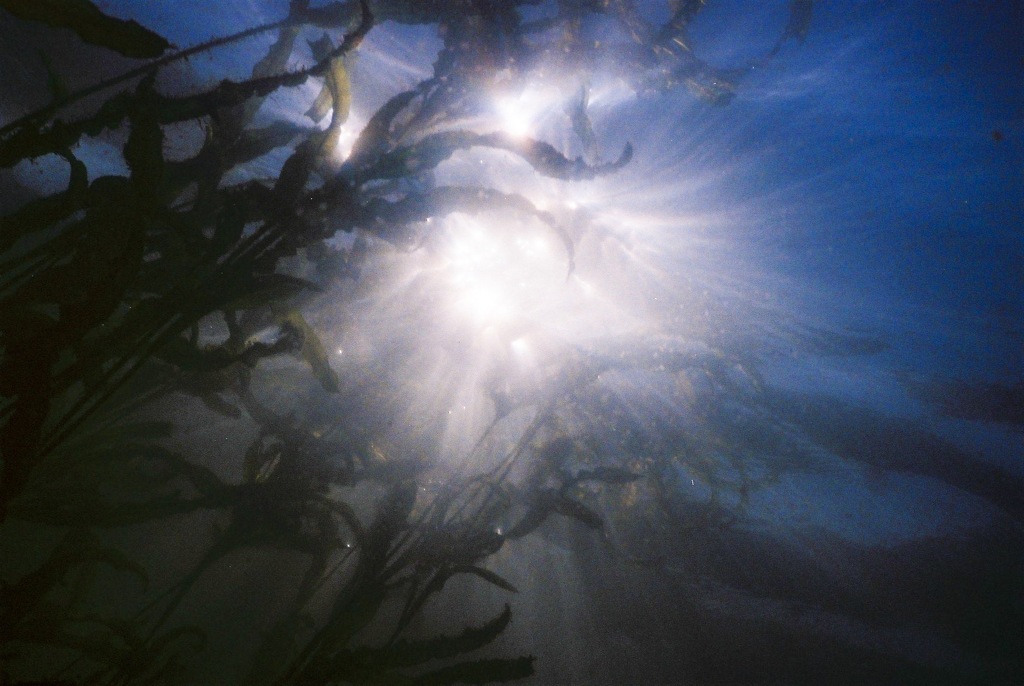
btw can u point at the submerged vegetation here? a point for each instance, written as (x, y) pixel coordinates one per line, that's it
(198, 292)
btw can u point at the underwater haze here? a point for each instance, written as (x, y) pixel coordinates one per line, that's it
(531, 341)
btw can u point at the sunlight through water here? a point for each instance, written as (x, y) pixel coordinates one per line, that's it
(672, 341)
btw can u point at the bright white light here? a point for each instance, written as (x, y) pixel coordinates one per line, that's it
(606, 94)
(486, 302)
(493, 311)
(499, 268)
(347, 136)
(515, 119)
(521, 114)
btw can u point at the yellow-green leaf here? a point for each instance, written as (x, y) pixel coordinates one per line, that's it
(313, 351)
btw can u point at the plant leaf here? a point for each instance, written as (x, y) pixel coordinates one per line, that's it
(488, 576)
(376, 135)
(580, 512)
(81, 16)
(608, 475)
(143, 151)
(800, 14)
(410, 653)
(260, 290)
(540, 510)
(321, 48)
(313, 351)
(581, 126)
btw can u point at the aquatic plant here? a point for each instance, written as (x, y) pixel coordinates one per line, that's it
(123, 298)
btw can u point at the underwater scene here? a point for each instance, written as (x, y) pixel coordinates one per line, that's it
(555, 342)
